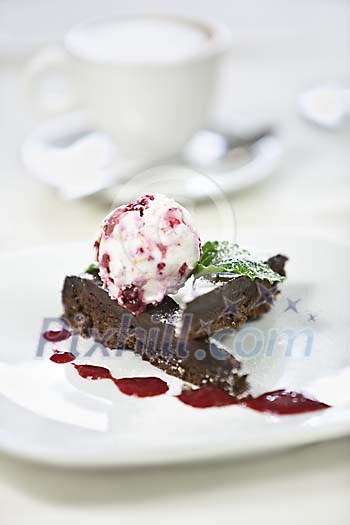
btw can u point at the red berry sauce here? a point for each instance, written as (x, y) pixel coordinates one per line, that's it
(54, 336)
(142, 386)
(62, 357)
(93, 372)
(284, 402)
(207, 396)
(281, 402)
(131, 386)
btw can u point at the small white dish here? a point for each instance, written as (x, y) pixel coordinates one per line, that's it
(327, 106)
(69, 155)
(49, 414)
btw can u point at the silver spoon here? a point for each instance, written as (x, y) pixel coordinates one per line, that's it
(208, 148)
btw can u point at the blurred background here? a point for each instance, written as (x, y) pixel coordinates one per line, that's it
(280, 49)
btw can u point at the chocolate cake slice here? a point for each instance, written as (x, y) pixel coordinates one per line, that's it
(175, 339)
(234, 302)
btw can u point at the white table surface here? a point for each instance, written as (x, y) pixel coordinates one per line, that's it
(280, 47)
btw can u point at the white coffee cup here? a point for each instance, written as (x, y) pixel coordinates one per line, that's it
(147, 80)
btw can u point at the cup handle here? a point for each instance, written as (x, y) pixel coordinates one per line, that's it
(52, 62)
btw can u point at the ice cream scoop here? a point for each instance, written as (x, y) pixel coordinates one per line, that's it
(146, 250)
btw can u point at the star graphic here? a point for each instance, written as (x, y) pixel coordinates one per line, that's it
(205, 326)
(266, 294)
(292, 305)
(312, 317)
(231, 306)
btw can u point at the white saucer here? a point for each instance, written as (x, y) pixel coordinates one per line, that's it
(69, 155)
(50, 415)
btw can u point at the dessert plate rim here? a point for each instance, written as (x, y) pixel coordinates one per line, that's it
(295, 431)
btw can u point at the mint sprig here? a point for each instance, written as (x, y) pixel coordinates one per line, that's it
(92, 269)
(222, 257)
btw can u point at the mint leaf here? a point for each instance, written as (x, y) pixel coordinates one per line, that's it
(227, 258)
(92, 269)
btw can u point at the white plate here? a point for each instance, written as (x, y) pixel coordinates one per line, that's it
(49, 414)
